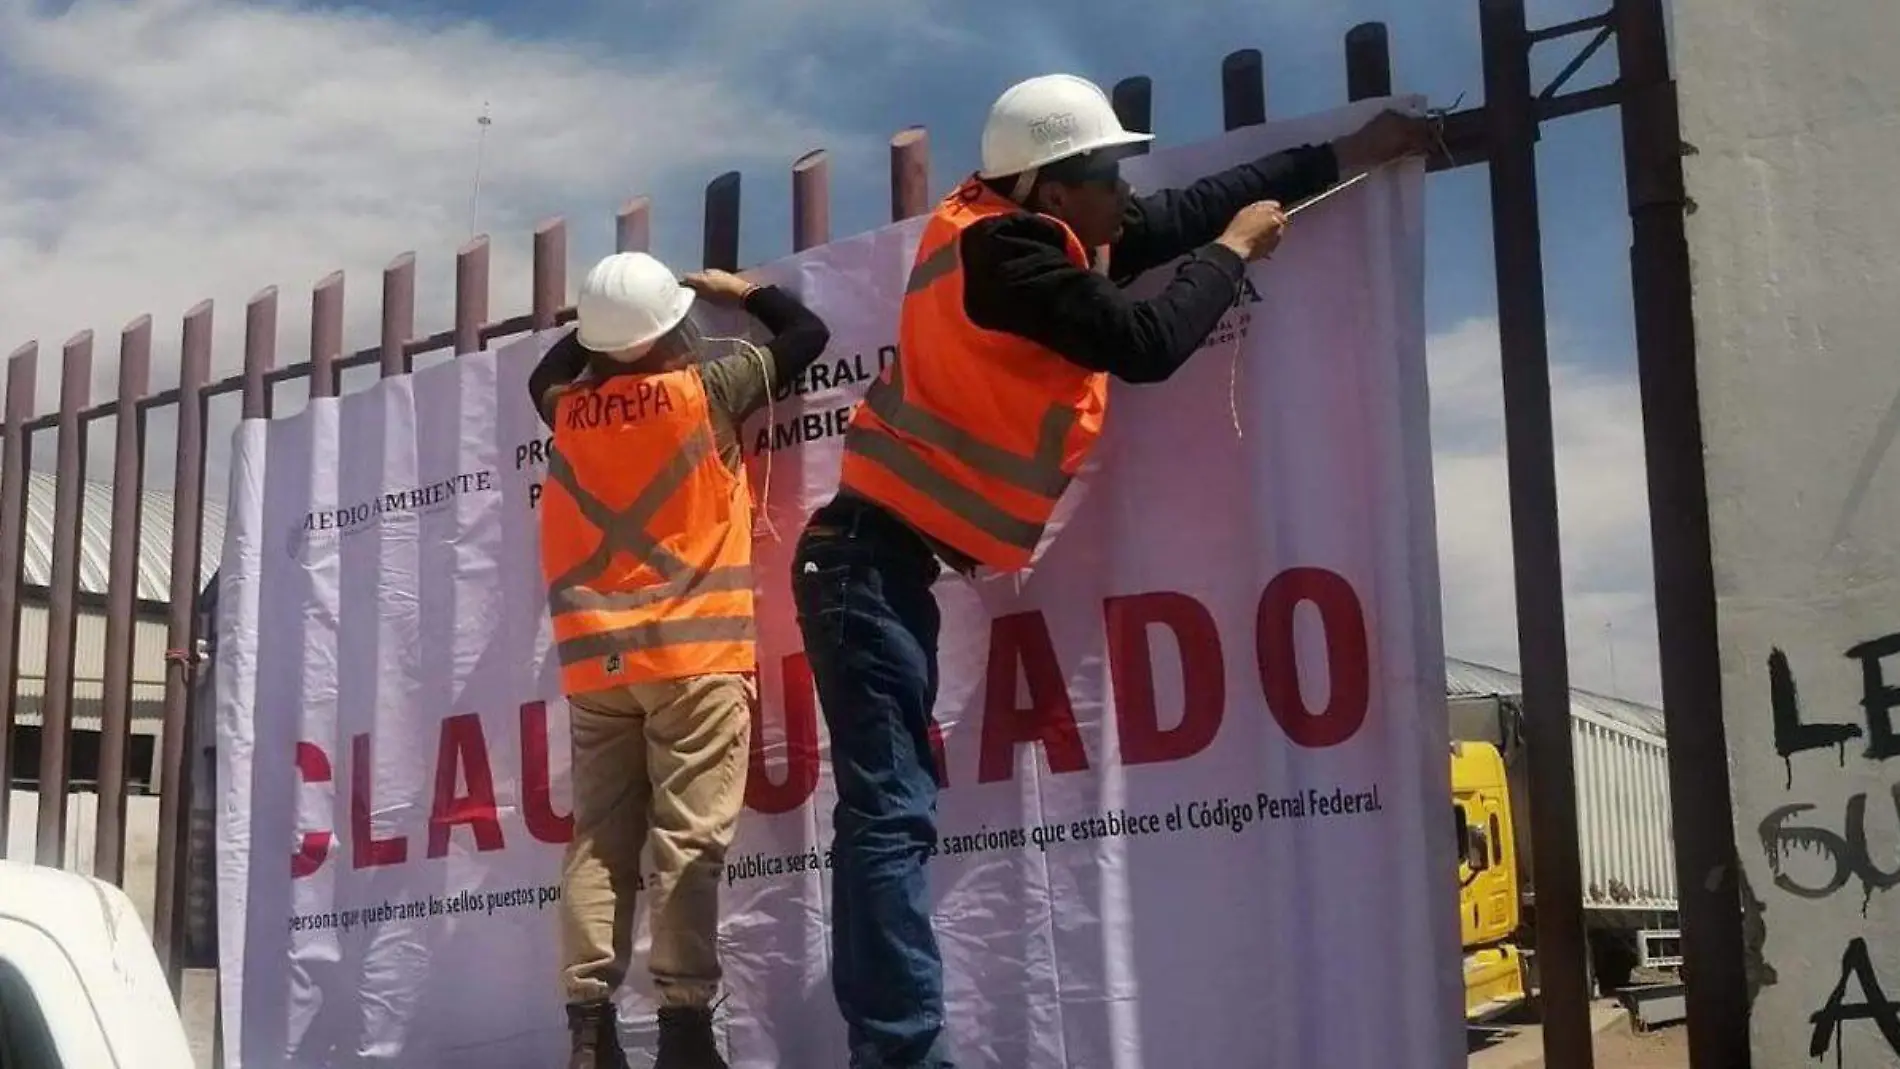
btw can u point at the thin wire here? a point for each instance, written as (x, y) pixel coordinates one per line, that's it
(481, 140)
(1233, 387)
(1437, 117)
(1609, 632)
(764, 498)
(1233, 369)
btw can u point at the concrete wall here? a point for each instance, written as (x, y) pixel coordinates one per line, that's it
(1793, 112)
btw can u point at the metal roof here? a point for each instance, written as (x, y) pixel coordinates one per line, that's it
(95, 538)
(1468, 679)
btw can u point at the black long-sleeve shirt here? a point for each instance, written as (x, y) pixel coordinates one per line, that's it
(1018, 279)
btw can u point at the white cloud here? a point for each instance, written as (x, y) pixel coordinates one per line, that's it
(1602, 504)
(156, 152)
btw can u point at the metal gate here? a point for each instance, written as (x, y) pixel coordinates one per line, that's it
(1501, 135)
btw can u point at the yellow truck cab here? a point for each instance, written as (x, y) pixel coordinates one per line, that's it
(1487, 880)
(80, 985)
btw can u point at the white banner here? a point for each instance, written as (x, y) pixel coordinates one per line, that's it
(1198, 789)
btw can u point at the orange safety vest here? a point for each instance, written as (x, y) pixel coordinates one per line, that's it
(971, 435)
(646, 537)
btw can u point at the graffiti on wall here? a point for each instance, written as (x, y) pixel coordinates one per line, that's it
(1815, 855)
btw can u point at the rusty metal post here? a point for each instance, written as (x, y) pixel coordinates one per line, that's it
(260, 352)
(174, 807)
(1134, 102)
(550, 272)
(910, 173)
(1368, 62)
(128, 486)
(62, 616)
(399, 314)
(1531, 460)
(1243, 89)
(811, 200)
(471, 295)
(1706, 865)
(326, 334)
(633, 225)
(16, 447)
(721, 234)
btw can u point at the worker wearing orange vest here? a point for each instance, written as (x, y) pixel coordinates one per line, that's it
(646, 545)
(1008, 334)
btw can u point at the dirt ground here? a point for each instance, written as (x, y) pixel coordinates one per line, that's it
(1665, 1048)
(1518, 1044)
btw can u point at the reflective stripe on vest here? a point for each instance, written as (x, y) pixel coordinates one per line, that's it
(657, 629)
(951, 451)
(1041, 474)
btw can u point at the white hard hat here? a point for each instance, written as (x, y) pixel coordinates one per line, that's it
(627, 302)
(1049, 118)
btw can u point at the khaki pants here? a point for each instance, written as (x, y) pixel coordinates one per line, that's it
(664, 762)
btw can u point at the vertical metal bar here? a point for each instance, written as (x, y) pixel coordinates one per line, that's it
(62, 619)
(1368, 62)
(1536, 554)
(128, 486)
(174, 806)
(1134, 102)
(16, 447)
(1243, 89)
(633, 225)
(721, 236)
(326, 334)
(910, 173)
(811, 200)
(1713, 947)
(399, 313)
(471, 295)
(550, 272)
(260, 352)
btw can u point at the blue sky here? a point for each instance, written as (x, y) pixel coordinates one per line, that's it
(857, 80)
(155, 152)
(850, 72)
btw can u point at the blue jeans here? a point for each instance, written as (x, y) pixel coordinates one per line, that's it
(862, 583)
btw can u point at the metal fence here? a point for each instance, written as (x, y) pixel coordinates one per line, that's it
(1501, 135)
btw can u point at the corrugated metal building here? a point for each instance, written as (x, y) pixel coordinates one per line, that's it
(150, 629)
(1467, 679)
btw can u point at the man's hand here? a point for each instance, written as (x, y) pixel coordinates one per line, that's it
(1256, 231)
(720, 287)
(1389, 136)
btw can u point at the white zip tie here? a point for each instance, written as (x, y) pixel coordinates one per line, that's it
(1340, 188)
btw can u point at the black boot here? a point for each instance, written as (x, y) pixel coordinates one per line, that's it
(686, 1040)
(594, 1037)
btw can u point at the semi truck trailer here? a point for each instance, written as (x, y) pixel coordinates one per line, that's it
(1624, 836)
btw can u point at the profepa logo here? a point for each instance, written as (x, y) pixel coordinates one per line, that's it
(1056, 126)
(323, 526)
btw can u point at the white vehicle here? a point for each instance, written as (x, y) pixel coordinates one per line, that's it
(80, 984)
